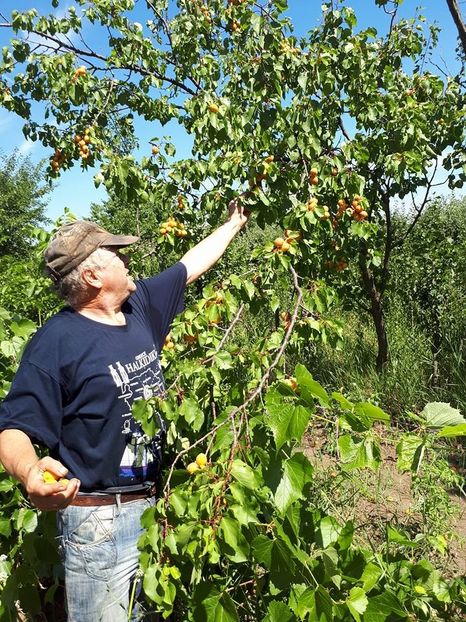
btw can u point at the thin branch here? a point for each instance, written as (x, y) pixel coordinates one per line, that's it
(92, 54)
(225, 336)
(419, 210)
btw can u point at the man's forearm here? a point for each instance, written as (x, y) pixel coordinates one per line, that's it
(205, 254)
(17, 454)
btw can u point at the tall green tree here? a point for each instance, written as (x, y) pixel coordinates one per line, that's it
(22, 203)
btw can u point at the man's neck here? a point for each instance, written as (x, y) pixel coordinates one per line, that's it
(113, 316)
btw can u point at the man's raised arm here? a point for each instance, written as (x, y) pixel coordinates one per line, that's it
(205, 254)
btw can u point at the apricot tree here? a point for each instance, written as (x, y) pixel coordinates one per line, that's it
(319, 136)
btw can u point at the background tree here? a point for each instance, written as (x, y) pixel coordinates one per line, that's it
(22, 203)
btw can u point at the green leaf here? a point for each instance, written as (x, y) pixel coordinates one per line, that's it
(223, 360)
(394, 535)
(237, 547)
(297, 473)
(440, 414)
(372, 412)
(370, 576)
(277, 559)
(409, 452)
(5, 527)
(357, 602)
(23, 328)
(308, 385)
(380, 608)
(365, 454)
(322, 608)
(212, 605)
(277, 611)
(192, 414)
(287, 421)
(26, 519)
(341, 399)
(328, 532)
(453, 430)
(245, 475)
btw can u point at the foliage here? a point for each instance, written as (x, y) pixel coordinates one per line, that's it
(428, 278)
(15, 332)
(22, 203)
(239, 538)
(24, 288)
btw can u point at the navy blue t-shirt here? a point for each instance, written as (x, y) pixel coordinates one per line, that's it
(78, 378)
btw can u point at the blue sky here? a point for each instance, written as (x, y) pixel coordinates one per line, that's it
(76, 189)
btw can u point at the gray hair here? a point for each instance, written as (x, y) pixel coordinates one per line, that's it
(72, 287)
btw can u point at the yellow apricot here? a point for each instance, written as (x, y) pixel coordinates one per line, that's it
(192, 468)
(201, 460)
(49, 478)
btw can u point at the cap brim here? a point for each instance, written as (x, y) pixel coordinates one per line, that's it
(119, 240)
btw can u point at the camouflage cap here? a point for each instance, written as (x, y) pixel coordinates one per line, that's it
(74, 242)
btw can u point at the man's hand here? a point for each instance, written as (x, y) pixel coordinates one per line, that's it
(204, 255)
(54, 496)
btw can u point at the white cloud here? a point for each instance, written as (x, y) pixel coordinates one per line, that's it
(26, 146)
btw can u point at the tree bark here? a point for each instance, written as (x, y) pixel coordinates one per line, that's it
(455, 11)
(377, 313)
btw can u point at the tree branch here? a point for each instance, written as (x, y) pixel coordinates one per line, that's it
(455, 11)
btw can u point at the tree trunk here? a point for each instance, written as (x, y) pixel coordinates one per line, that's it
(377, 312)
(455, 11)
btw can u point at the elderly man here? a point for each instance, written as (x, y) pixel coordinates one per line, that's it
(73, 393)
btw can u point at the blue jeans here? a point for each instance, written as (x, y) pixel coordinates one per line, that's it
(100, 557)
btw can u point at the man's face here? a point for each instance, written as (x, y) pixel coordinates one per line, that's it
(114, 274)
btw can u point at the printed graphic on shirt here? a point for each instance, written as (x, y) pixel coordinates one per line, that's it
(140, 378)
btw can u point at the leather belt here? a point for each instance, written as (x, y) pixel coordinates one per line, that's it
(111, 499)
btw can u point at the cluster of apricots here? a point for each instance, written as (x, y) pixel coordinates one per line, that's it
(336, 265)
(49, 478)
(206, 13)
(180, 202)
(282, 245)
(261, 174)
(311, 204)
(198, 465)
(57, 160)
(357, 210)
(326, 214)
(314, 176)
(287, 48)
(285, 317)
(217, 299)
(173, 226)
(80, 71)
(82, 142)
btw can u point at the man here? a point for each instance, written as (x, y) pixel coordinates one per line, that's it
(73, 393)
